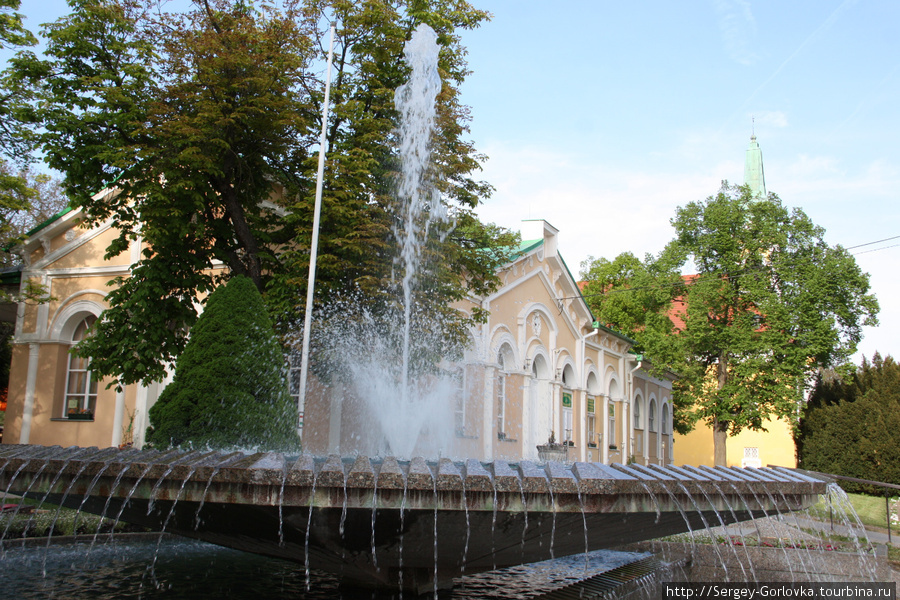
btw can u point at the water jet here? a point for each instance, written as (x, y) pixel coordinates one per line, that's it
(414, 514)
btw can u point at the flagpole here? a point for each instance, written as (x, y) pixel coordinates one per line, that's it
(314, 246)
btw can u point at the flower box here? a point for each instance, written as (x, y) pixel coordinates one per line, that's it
(85, 416)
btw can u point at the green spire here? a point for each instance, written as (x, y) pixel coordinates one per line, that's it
(753, 169)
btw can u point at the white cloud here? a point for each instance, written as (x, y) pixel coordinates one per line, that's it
(737, 28)
(599, 210)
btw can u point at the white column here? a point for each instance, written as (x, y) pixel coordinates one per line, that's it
(30, 384)
(141, 418)
(582, 427)
(556, 409)
(118, 417)
(487, 415)
(526, 433)
(604, 427)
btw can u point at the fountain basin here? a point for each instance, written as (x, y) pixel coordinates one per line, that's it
(386, 523)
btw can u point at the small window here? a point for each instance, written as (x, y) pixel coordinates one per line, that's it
(611, 433)
(81, 387)
(664, 420)
(459, 381)
(295, 362)
(637, 412)
(651, 416)
(500, 388)
(751, 458)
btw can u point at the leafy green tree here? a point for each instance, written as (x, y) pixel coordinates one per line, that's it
(770, 303)
(229, 389)
(203, 125)
(15, 192)
(849, 425)
(41, 198)
(636, 297)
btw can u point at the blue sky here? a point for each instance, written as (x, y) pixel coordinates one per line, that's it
(603, 117)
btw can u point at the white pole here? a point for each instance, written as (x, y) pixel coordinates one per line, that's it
(314, 247)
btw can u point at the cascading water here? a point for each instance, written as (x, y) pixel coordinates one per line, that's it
(377, 353)
(415, 101)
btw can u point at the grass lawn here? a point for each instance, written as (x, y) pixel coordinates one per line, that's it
(871, 510)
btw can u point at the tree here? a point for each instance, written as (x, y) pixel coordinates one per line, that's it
(203, 126)
(849, 425)
(15, 192)
(41, 198)
(769, 305)
(229, 389)
(636, 297)
(772, 304)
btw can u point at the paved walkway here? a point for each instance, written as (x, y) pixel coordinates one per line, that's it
(802, 528)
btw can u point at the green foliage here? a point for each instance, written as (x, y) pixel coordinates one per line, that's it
(29, 199)
(636, 298)
(772, 304)
(229, 389)
(16, 193)
(769, 305)
(205, 126)
(850, 425)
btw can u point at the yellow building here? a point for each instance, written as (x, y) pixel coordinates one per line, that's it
(539, 367)
(775, 446)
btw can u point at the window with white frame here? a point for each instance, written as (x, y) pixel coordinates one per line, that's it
(294, 371)
(638, 401)
(568, 419)
(500, 388)
(611, 430)
(651, 415)
(81, 387)
(664, 420)
(459, 380)
(591, 421)
(751, 458)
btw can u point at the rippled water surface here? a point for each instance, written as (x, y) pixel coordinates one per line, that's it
(195, 570)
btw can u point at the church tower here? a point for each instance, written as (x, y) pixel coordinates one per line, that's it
(753, 169)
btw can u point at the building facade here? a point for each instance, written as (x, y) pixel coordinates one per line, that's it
(538, 369)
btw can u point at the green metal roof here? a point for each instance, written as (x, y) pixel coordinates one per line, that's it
(52, 219)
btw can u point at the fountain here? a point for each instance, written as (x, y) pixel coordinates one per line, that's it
(410, 523)
(386, 523)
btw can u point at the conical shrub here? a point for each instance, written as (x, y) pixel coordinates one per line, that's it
(230, 388)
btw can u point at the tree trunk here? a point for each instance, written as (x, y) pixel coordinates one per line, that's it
(720, 437)
(720, 428)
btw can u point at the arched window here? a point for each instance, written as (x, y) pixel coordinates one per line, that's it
(664, 420)
(568, 379)
(651, 415)
(638, 401)
(504, 363)
(81, 387)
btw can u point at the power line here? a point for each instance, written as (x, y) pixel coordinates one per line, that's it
(870, 243)
(876, 249)
(694, 279)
